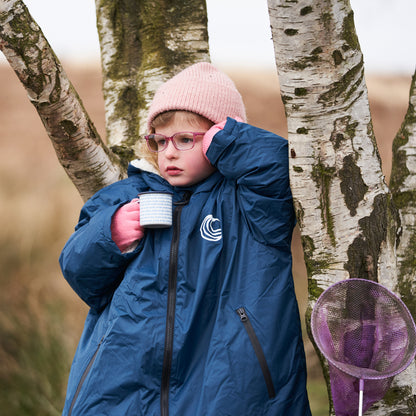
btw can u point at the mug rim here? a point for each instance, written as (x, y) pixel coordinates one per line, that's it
(155, 192)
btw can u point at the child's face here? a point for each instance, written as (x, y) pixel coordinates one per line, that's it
(184, 167)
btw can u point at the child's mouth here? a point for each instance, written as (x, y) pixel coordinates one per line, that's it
(173, 170)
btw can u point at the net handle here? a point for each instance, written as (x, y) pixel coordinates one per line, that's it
(360, 403)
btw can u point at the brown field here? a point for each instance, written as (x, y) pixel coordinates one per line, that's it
(39, 206)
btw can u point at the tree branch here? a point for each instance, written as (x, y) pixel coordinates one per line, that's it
(85, 158)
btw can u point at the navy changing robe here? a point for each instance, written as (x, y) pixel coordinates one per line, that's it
(201, 318)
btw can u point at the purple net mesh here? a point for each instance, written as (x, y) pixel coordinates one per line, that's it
(366, 333)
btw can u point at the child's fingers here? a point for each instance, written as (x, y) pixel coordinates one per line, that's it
(131, 215)
(133, 205)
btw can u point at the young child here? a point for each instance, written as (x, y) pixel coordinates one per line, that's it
(199, 318)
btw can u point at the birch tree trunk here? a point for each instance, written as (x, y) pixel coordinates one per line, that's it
(85, 158)
(403, 188)
(349, 225)
(143, 43)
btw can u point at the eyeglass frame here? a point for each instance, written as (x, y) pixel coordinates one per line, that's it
(171, 138)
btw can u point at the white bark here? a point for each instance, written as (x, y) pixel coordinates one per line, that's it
(329, 131)
(81, 152)
(404, 193)
(347, 223)
(167, 44)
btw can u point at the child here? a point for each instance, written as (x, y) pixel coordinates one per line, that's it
(199, 318)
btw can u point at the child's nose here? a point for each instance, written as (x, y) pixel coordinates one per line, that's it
(171, 150)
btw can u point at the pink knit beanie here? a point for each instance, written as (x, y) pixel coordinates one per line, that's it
(202, 89)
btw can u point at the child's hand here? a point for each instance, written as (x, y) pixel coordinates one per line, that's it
(125, 225)
(208, 136)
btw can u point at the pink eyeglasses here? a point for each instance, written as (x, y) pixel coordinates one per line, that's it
(182, 141)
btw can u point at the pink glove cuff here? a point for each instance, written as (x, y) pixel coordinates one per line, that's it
(209, 135)
(125, 226)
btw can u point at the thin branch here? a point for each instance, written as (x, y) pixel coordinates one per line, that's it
(86, 159)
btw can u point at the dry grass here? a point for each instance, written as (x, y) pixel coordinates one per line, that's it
(40, 316)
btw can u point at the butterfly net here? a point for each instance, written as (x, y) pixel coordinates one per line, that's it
(366, 333)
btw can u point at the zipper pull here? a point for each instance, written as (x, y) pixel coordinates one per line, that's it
(242, 313)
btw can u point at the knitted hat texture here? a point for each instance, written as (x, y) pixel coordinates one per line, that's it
(202, 89)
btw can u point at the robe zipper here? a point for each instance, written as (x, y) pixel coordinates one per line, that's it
(171, 305)
(84, 376)
(258, 351)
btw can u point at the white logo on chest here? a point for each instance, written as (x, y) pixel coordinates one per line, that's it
(208, 230)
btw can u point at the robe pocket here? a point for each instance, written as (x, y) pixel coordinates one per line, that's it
(244, 318)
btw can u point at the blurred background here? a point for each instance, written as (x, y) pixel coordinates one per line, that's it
(41, 319)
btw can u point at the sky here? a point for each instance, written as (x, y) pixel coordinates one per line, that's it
(239, 32)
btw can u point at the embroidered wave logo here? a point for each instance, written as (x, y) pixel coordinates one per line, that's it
(210, 229)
